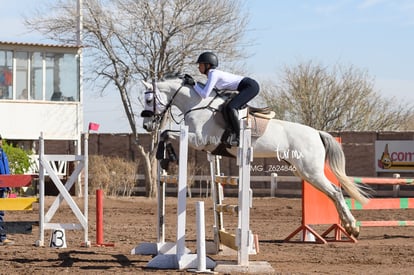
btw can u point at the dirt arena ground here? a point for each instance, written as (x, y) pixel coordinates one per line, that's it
(131, 221)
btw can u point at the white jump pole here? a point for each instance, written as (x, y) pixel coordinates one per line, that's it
(160, 205)
(161, 246)
(244, 158)
(201, 236)
(215, 189)
(201, 240)
(182, 193)
(181, 259)
(245, 241)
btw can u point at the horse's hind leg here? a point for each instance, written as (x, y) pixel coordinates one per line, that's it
(335, 194)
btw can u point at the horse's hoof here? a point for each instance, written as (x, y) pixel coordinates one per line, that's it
(352, 231)
(348, 228)
(356, 232)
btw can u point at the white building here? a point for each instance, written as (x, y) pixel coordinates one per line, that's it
(40, 92)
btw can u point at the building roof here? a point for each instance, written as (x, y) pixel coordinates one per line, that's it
(37, 45)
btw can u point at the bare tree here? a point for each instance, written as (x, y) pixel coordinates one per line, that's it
(129, 40)
(334, 99)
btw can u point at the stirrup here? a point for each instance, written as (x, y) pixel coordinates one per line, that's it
(233, 140)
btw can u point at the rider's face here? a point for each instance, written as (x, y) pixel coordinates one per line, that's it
(203, 68)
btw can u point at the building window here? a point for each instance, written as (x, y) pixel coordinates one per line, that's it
(6, 74)
(45, 76)
(70, 77)
(36, 76)
(22, 71)
(62, 77)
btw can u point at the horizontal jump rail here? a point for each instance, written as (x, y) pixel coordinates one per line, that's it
(230, 180)
(15, 180)
(252, 178)
(385, 181)
(384, 223)
(382, 203)
(228, 208)
(16, 204)
(169, 179)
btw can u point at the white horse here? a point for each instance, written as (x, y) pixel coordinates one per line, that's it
(279, 139)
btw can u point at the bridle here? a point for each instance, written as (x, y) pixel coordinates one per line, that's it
(158, 117)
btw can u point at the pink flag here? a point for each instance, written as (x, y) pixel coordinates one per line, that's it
(93, 126)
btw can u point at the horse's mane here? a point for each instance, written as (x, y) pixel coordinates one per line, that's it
(171, 76)
(177, 77)
(164, 82)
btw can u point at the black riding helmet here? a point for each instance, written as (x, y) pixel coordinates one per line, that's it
(208, 58)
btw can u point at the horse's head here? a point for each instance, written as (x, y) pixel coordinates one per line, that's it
(159, 98)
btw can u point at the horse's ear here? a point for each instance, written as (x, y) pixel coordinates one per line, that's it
(147, 85)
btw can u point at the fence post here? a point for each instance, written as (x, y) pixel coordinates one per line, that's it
(273, 184)
(396, 188)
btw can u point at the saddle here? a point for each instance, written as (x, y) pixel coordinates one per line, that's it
(262, 112)
(259, 119)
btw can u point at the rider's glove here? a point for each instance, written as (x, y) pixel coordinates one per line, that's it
(188, 80)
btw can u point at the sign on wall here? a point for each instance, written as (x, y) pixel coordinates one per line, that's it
(394, 155)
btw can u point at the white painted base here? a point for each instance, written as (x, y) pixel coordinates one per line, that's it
(156, 248)
(169, 261)
(228, 267)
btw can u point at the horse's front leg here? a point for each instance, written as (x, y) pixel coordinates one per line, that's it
(197, 141)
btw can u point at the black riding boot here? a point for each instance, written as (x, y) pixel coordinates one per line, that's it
(234, 121)
(228, 130)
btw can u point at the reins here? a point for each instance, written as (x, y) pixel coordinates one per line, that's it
(208, 107)
(167, 107)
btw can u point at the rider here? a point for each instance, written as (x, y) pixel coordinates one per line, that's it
(247, 89)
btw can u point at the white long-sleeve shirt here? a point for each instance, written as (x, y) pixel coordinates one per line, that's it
(220, 80)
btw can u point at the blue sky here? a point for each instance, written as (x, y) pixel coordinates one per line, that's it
(372, 35)
(376, 36)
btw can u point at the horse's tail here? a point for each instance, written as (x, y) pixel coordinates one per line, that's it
(336, 160)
